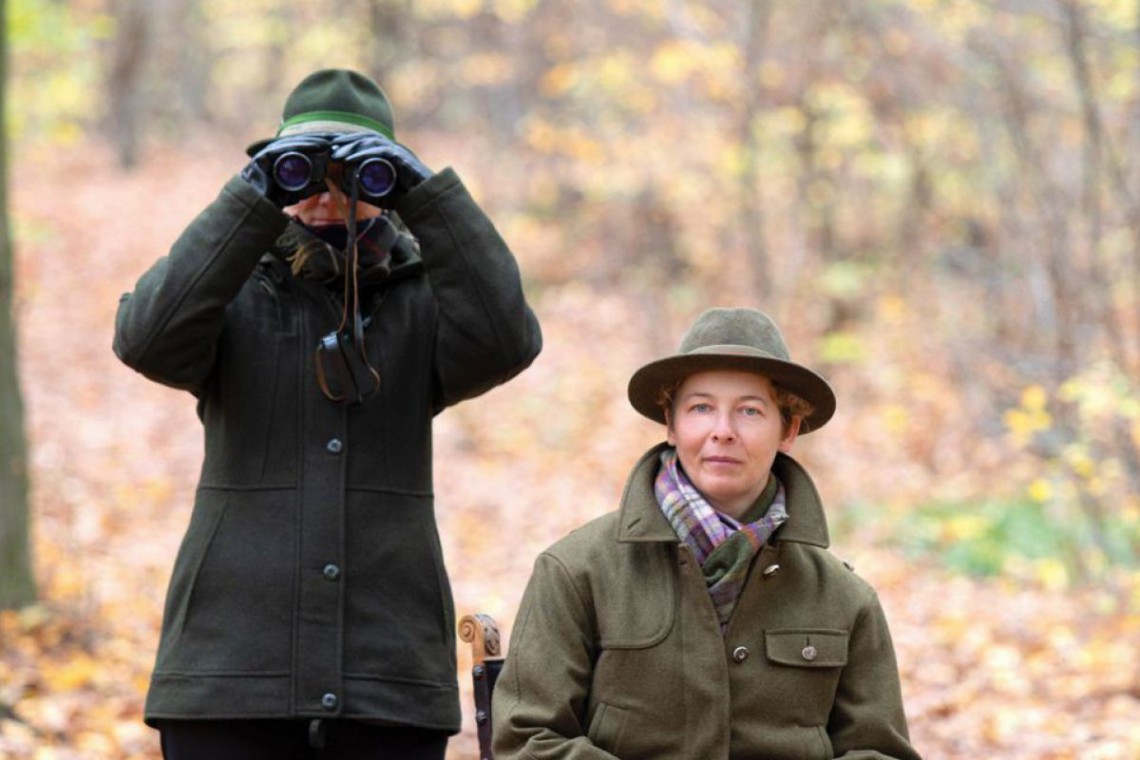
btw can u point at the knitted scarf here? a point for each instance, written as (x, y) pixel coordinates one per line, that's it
(317, 253)
(723, 547)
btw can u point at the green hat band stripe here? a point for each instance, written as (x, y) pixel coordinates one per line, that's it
(353, 119)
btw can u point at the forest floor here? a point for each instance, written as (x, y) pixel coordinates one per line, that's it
(996, 668)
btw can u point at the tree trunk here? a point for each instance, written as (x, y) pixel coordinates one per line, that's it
(125, 81)
(17, 587)
(750, 222)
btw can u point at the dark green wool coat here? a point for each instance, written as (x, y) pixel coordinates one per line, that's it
(310, 582)
(617, 652)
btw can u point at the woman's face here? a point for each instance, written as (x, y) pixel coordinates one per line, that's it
(727, 429)
(329, 207)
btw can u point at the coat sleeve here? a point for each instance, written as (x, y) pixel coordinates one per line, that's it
(540, 697)
(486, 333)
(168, 327)
(867, 719)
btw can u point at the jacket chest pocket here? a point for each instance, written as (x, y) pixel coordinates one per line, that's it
(638, 609)
(804, 665)
(806, 647)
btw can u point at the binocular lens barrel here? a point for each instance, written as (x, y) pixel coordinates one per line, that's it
(376, 176)
(292, 171)
(295, 171)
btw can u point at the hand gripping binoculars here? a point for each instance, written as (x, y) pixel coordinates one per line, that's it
(305, 174)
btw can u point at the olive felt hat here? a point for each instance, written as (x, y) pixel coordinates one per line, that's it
(732, 339)
(334, 100)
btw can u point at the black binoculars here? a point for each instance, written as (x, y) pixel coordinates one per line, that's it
(305, 173)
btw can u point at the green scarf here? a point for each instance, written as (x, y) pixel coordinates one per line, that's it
(723, 547)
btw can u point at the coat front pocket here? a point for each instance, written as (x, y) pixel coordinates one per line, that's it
(399, 614)
(606, 727)
(804, 665)
(231, 598)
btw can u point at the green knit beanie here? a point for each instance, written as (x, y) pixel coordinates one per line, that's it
(334, 100)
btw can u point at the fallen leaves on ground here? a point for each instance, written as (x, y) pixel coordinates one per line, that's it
(990, 668)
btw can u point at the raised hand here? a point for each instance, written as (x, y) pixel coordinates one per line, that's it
(357, 149)
(290, 169)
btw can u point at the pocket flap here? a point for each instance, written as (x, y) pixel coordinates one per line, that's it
(807, 647)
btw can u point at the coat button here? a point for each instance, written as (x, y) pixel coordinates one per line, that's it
(740, 654)
(329, 701)
(334, 446)
(331, 571)
(809, 653)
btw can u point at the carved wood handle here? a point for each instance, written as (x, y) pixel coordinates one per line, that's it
(482, 633)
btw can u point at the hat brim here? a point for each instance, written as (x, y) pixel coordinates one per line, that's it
(254, 148)
(646, 384)
(312, 127)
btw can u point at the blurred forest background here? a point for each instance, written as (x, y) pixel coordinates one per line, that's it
(939, 201)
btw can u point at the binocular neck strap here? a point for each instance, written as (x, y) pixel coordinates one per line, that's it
(352, 256)
(352, 261)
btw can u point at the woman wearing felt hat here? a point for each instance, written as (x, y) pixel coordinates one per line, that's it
(705, 618)
(332, 300)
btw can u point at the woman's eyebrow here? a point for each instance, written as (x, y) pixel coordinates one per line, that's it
(707, 395)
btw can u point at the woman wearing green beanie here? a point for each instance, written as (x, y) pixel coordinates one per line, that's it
(332, 300)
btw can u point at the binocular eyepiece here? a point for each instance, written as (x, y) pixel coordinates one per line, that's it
(305, 173)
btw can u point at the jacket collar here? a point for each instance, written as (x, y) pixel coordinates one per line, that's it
(404, 259)
(641, 519)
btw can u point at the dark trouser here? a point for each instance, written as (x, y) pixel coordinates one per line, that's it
(297, 740)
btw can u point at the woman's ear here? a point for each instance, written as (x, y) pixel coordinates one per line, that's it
(790, 434)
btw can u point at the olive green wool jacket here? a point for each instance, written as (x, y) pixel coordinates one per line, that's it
(310, 581)
(617, 652)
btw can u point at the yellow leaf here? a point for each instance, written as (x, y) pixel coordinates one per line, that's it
(1041, 490)
(1053, 574)
(1034, 398)
(77, 672)
(672, 63)
(558, 80)
(964, 527)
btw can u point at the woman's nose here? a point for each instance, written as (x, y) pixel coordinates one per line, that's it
(327, 205)
(723, 429)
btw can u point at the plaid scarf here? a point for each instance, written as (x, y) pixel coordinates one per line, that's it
(724, 547)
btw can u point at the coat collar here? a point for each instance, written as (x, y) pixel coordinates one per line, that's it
(641, 519)
(405, 259)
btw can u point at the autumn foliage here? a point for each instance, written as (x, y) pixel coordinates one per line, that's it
(937, 199)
